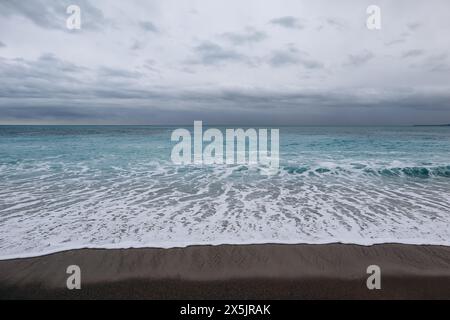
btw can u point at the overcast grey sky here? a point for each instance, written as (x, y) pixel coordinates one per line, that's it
(228, 62)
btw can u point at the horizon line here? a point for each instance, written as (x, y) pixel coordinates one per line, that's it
(229, 124)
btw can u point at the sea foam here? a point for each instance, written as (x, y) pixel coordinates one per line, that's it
(119, 190)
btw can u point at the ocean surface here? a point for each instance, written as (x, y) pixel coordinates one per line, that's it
(65, 187)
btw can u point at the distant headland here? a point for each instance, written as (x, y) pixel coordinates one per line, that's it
(431, 125)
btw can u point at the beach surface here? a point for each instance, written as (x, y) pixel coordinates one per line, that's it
(270, 271)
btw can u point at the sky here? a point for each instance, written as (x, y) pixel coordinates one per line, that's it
(271, 62)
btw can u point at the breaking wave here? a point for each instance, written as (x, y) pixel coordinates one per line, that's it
(415, 172)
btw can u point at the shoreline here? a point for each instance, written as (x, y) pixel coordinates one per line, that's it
(124, 246)
(256, 271)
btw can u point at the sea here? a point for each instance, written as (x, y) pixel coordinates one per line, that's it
(70, 187)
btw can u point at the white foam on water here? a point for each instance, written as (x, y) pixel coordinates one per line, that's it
(159, 205)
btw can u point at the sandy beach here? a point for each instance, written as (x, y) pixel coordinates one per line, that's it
(332, 271)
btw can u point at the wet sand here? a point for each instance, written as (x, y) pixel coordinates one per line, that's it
(269, 271)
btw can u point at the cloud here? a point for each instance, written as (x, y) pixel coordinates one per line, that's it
(437, 63)
(51, 90)
(52, 14)
(50, 78)
(148, 26)
(311, 64)
(210, 53)
(412, 53)
(2, 45)
(413, 26)
(289, 22)
(440, 67)
(234, 106)
(43, 78)
(137, 45)
(154, 61)
(331, 22)
(395, 42)
(249, 36)
(356, 60)
(281, 58)
(401, 38)
(335, 23)
(106, 72)
(292, 56)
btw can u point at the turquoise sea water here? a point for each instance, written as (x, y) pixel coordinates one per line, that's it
(64, 187)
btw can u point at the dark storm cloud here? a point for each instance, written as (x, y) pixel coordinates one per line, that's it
(247, 37)
(289, 22)
(40, 91)
(412, 53)
(46, 113)
(51, 14)
(148, 26)
(234, 107)
(356, 60)
(210, 53)
(49, 89)
(25, 95)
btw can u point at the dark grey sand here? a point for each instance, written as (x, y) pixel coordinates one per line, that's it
(332, 271)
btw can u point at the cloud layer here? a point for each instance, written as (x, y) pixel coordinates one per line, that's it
(162, 62)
